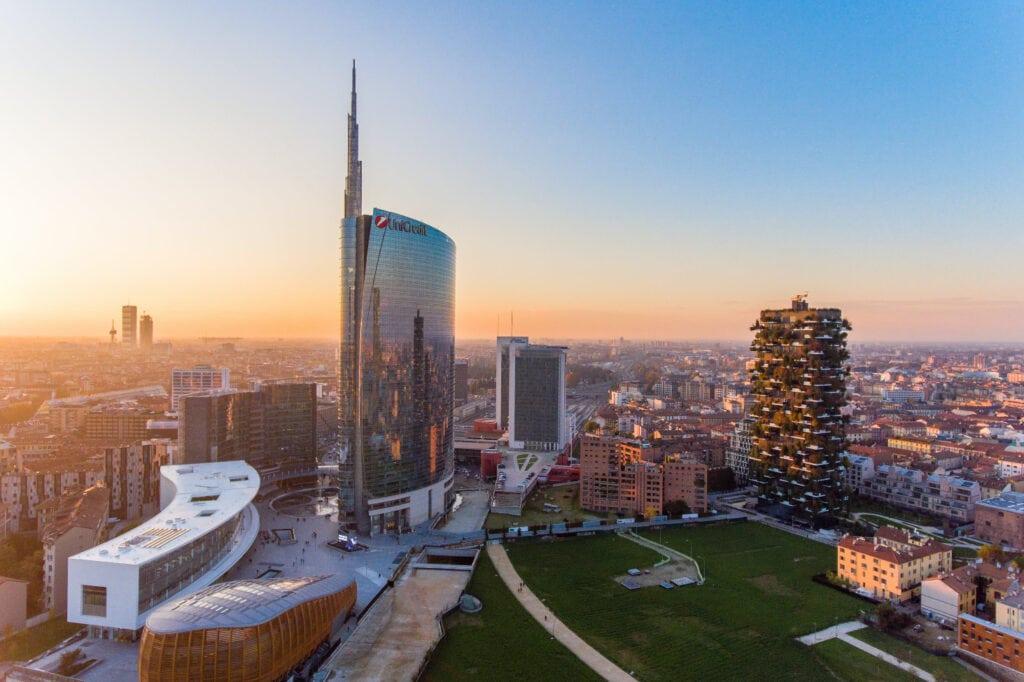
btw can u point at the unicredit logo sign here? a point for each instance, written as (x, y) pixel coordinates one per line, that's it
(386, 223)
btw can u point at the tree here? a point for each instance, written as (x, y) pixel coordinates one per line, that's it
(676, 507)
(889, 618)
(591, 426)
(992, 553)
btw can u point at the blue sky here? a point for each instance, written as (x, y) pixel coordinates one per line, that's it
(605, 169)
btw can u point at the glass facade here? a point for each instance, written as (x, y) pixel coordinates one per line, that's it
(538, 386)
(397, 360)
(166, 576)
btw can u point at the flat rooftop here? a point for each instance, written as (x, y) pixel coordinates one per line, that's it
(206, 495)
(1007, 501)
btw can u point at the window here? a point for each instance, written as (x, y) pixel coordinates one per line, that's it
(204, 498)
(94, 601)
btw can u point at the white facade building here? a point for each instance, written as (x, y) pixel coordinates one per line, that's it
(199, 379)
(206, 525)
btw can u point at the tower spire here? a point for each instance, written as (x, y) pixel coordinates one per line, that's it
(354, 179)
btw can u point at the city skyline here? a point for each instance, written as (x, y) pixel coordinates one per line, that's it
(683, 167)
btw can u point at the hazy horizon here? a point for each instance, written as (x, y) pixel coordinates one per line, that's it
(657, 171)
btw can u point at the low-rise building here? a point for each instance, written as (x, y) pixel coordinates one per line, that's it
(73, 523)
(1000, 520)
(947, 595)
(886, 568)
(941, 495)
(207, 523)
(13, 604)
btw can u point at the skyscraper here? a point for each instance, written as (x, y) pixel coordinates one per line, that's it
(530, 390)
(396, 362)
(146, 332)
(798, 434)
(501, 379)
(129, 325)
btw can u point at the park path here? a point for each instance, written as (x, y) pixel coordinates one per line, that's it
(841, 632)
(543, 615)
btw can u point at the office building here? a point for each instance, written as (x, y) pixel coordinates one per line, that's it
(254, 630)
(461, 384)
(502, 380)
(196, 381)
(530, 385)
(129, 326)
(271, 425)
(396, 363)
(798, 387)
(206, 524)
(146, 332)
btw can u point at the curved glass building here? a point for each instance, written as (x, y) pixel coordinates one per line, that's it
(244, 630)
(397, 368)
(397, 362)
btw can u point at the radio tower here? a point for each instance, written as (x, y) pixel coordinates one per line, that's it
(113, 333)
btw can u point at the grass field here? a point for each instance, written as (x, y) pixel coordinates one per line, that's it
(850, 663)
(29, 643)
(942, 666)
(502, 642)
(566, 497)
(741, 624)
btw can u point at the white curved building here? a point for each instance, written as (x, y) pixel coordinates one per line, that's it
(206, 525)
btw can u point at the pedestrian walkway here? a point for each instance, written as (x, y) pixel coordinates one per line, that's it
(543, 615)
(841, 630)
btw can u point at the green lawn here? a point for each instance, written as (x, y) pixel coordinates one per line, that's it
(850, 663)
(937, 665)
(566, 497)
(741, 624)
(872, 506)
(29, 643)
(502, 642)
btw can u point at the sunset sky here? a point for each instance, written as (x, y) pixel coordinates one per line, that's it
(647, 170)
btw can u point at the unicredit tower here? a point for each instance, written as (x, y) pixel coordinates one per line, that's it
(397, 363)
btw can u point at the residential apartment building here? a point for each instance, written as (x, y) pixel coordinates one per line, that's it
(947, 595)
(798, 384)
(75, 522)
(22, 493)
(887, 569)
(948, 497)
(737, 454)
(132, 475)
(998, 642)
(620, 475)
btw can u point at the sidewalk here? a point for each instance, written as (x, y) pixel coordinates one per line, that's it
(543, 615)
(840, 632)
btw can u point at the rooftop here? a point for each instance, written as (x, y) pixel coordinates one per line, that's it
(205, 495)
(241, 603)
(1008, 501)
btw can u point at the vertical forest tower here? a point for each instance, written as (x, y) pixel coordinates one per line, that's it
(799, 436)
